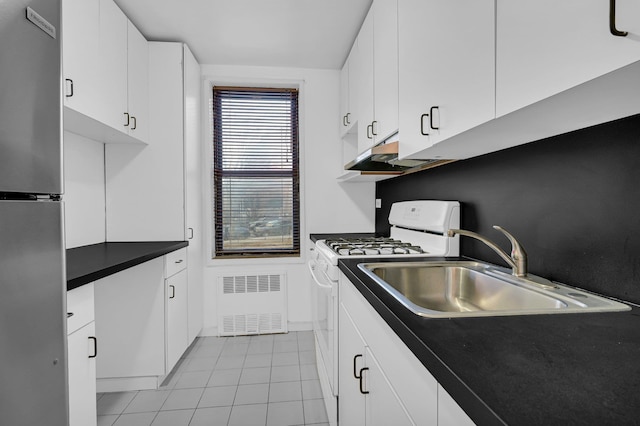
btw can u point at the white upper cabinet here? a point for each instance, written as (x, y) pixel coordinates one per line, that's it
(81, 35)
(137, 84)
(446, 70)
(344, 96)
(349, 91)
(113, 66)
(145, 184)
(365, 83)
(385, 66)
(545, 47)
(378, 74)
(105, 66)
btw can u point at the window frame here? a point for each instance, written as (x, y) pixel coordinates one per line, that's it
(218, 173)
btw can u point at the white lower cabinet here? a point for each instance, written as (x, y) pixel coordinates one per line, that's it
(381, 381)
(177, 307)
(82, 347)
(130, 315)
(142, 323)
(366, 396)
(401, 390)
(177, 311)
(351, 402)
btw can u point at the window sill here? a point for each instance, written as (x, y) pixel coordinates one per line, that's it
(245, 260)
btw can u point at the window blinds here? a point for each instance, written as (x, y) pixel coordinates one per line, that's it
(256, 171)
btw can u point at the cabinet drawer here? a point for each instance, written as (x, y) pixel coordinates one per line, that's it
(175, 262)
(80, 305)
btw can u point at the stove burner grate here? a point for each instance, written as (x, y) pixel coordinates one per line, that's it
(371, 246)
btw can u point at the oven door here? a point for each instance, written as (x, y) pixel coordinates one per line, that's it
(324, 299)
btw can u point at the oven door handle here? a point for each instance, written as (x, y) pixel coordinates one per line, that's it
(312, 265)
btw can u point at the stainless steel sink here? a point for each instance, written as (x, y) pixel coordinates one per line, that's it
(467, 289)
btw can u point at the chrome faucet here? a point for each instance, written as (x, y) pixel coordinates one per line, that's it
(518, 258)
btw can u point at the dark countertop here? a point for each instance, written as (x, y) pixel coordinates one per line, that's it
(316, 237)
(89, 263)
(565, 369)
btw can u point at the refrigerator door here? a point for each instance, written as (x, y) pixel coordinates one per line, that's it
(30, 97)
(33, 371)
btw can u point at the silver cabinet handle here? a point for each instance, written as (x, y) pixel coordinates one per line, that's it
(190, 233)
(173, 292)
(373, 128)
(135, 123)
(126, 114)
(179, 261)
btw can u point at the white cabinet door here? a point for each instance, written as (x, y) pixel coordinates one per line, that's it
(137, 84)
(354, 75)
(383, 404)
(130, 322)
(193, 188)
(366, 396)
(177, 329)
(385, 65)
(145, 184)
(81, 37)
(351, 361)
(403, 385)
(344, 97)
(365, 83)
(446, 70)
(81, 359)
(545, 47)
(113, 67)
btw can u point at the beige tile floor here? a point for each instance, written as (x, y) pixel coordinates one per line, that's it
(267, 380)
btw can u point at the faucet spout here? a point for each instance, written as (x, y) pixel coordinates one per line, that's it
(518, 258)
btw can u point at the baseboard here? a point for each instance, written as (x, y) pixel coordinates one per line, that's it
(212, 331)
(300, 326)
(122, 384)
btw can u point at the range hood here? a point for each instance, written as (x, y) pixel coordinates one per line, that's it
(383, 158)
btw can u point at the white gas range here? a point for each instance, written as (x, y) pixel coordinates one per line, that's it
(418, 229)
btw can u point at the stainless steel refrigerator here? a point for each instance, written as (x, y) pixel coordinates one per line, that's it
(33, 370)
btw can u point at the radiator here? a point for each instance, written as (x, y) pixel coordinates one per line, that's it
(252, 304)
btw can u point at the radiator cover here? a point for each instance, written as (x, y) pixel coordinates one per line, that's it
(252, 304)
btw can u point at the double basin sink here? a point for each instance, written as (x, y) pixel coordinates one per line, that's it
(446, 289)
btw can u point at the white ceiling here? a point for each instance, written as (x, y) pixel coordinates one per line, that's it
(280, 33)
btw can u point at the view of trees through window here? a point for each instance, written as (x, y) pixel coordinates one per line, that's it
(256, 171)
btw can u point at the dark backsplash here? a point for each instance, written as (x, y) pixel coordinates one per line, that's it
(573, 201)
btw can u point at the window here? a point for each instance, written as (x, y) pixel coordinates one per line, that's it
(255, 176)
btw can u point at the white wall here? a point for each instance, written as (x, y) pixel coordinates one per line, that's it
(326, 205)
(84, 190)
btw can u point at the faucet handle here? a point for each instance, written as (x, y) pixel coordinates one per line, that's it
(518, 253)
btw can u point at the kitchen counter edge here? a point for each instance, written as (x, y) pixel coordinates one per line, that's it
(92, 262)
